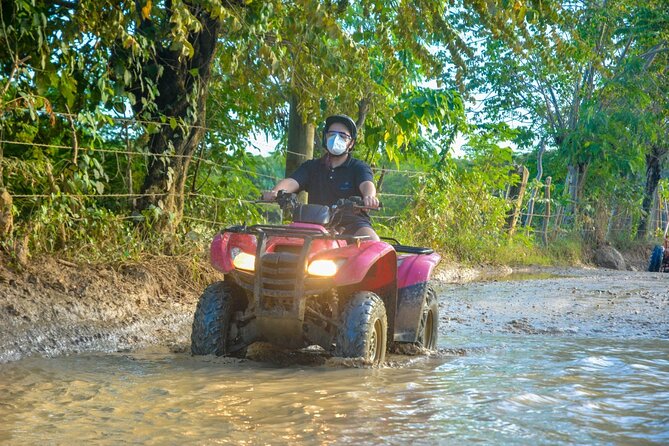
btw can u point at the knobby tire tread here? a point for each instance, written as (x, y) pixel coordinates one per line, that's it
(212, 320)
(358, 319)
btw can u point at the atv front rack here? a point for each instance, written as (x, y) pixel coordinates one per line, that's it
(279, 283)
(285, 231)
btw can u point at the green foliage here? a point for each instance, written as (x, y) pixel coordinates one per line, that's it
(588, 84)
(425, 124)
(589, 80)
(460, 208)
(566, 250)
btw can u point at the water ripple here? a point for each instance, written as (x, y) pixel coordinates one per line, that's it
(498, 390)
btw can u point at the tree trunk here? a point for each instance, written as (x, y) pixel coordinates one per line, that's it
(300, 140)
(182, 95)
(653, 170)
(547, 212)
(576, 173)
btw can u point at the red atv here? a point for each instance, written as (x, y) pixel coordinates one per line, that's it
(305, 284)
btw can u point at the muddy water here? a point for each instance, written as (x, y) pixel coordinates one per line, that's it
(506, 389)
(550, 361)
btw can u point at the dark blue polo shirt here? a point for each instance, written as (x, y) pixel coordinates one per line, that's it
(327, 185)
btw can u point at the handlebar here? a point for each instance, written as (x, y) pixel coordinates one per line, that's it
(354, 202)
(288, 200)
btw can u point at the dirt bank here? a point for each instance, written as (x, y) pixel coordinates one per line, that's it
(54, 307)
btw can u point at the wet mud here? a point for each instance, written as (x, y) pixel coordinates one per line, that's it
(583, 302)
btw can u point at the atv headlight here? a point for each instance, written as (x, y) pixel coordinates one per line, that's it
(244, 260)
(323, 268)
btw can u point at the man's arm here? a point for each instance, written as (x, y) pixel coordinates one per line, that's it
(368, 191)
(287, 184)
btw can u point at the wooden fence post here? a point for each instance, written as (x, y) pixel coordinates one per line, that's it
(535, 189)
(128, 167)
(547, 212)
(516, 194)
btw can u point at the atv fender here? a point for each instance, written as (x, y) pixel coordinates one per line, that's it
(413, 275)
(415, 269)
(369, 266)
(370, 262)
(222, 245)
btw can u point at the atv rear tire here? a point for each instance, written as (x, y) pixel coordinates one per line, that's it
(364, 329)
(656, 259)
(213, 320)
(428, 327)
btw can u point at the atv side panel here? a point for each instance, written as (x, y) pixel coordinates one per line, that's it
(413, 274)
(413, 269)
(360, 261)
(409, 310)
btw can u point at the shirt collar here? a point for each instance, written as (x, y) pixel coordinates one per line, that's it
(349, 158)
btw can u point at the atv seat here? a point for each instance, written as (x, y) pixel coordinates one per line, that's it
(407, 249)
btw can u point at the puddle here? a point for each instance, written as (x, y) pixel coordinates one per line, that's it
(502, 389)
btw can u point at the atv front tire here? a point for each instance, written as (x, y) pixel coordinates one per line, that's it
(428, 327)
(364, 329)
(213, 320)
(656, 259)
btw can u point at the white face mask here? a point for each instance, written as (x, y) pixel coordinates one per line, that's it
(336, 145)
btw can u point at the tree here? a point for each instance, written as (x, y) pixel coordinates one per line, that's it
(566, 88)
(165, 58)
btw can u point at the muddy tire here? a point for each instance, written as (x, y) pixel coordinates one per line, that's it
(656, 259)
(364, 329)
(213, 322)
(428, 326)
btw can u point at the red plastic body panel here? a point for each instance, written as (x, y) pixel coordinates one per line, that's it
(359, 261)
(317, 245)
(223, 244)
(415, 268)
(359, 258)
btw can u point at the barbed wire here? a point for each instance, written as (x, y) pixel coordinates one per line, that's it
(145, 154)
(373, 216)
(175, 155)
(209, 129)
(125, 120)
(374, 169)
(142, 195)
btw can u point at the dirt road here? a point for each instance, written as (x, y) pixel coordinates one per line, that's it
(587, 302)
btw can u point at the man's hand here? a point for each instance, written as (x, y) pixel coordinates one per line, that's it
(269, 195)
(370, 202)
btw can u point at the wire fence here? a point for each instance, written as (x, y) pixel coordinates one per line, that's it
(118, 151)
(135, 125)
(134, 121)
(125, 148)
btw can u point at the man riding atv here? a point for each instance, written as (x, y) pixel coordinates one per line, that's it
(334, 176)
(325, 278)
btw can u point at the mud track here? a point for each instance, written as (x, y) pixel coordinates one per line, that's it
(54, 307)
(581, 302)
